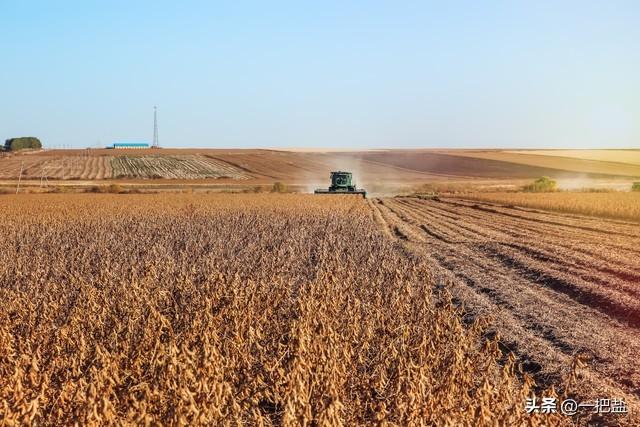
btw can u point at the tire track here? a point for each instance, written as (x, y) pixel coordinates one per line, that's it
(619, 301)
(544, 219)
(616, 298)
(625, 255)
(600, 269)
(492, 271)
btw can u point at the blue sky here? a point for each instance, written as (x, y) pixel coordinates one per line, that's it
(322, 74)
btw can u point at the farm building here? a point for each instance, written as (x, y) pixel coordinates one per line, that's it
(129, 145)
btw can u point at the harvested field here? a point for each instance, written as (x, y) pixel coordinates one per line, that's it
(258, 166)
(596, 162)
(37, 166)
(81, 166)
(89, 168)
(556, 286)
(619, 205)
(10, 166)
(392, 171)
(314, 167)
(258, 310)
(174, 167)
(495, 164)
(615, 156)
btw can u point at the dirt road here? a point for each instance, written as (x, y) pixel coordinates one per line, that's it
(555, 286)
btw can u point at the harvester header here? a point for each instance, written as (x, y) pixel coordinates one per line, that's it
(341, 183)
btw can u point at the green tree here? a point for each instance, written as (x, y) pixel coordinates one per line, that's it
(22, 143)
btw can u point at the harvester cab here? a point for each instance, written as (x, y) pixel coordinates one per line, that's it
(342, 183)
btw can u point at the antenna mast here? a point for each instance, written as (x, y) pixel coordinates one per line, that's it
(155, 128)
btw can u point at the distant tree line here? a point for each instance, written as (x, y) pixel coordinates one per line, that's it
(27, 142)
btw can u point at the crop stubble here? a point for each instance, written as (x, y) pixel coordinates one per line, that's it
(174, 167)
(93, 167)
(557, 286)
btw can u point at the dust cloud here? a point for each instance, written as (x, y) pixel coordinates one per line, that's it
(583, 182)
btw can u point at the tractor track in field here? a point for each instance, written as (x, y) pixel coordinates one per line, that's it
(555, 286)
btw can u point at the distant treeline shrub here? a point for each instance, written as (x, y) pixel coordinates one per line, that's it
(28, 142)
(256, 189)
(635, 186)
(542, 185)
(279, 187)
(112, 188)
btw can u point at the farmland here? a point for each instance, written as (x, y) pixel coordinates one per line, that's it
(557, 286)
(243, 309)
(226, 166)
(561, 163)
(615, 156)
(619, 205)
(35, 167)
(383, 172)
(82, 166)
(173, 167)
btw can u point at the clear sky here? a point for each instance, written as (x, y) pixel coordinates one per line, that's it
(322, 74)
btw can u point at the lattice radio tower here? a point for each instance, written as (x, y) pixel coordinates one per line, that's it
(155, 128)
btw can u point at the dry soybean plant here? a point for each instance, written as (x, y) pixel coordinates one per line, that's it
(620, 205)
(232, 310)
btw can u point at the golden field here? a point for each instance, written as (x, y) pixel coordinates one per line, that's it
(234, 310)
(618, 205)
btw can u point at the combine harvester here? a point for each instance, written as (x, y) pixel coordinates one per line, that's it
(341, 184)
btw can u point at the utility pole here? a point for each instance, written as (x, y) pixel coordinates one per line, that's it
(20, 177)
(44, 180)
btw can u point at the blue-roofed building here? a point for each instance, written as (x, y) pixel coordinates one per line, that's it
(129, 145)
